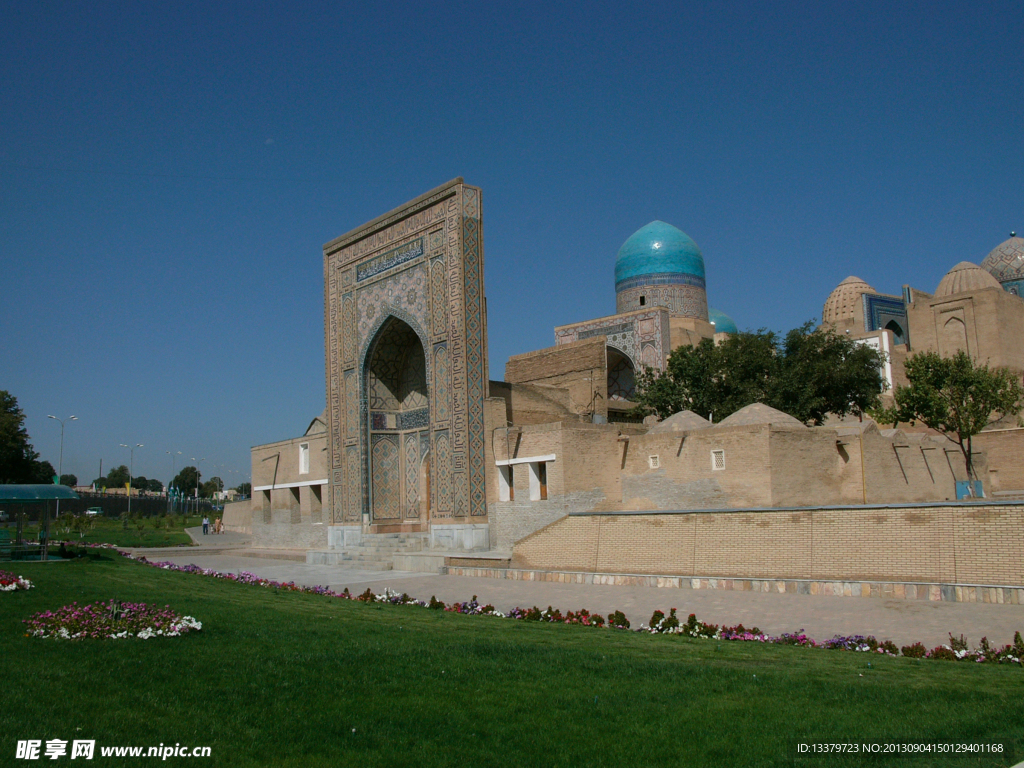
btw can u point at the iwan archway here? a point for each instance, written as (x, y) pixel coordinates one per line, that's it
(397, 428)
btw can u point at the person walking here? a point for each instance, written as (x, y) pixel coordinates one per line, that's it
(206, 525)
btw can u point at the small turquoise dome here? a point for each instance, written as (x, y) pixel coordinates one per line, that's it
(722, 322)
(658, 249)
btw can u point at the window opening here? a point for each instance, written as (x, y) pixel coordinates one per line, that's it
(304, 458)
(718, 459)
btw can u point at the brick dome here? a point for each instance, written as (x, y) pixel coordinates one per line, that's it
(965, 276)
(844, 301)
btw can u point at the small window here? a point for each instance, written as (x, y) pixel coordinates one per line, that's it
(654, 462)
(643, 301)
(304, 458)
(718, 459)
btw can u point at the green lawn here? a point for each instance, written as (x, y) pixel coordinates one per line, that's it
(170, 532)
(285, 679)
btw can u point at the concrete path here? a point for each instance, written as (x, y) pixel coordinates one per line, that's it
(903, 621)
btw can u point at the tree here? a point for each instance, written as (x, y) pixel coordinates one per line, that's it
(186, 480)
(69, 480)
(18, 459)
(211, 487)
(245, 489)
(117, 477)
(809, 373)
(956, 397)
(155, 486)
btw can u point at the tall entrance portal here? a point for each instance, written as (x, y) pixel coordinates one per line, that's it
(406, 352)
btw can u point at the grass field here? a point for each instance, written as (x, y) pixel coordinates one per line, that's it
(169, 532)
(286, 679)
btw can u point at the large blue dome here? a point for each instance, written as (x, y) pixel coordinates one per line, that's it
(658, 253)
(722, 322)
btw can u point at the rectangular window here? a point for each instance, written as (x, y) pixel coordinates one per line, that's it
(304, 459)
(266, 506)
(538, 481)
(718, 459)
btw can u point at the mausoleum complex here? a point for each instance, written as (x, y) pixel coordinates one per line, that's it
(418, 453)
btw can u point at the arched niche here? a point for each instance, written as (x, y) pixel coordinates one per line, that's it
(397, 412)
(621, 376)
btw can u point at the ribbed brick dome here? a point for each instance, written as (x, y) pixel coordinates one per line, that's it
(965, 277)
(844, 301)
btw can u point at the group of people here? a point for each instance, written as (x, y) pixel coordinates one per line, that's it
(218, 526)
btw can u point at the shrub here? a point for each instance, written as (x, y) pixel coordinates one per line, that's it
(435, 604)
(618, 620)
(915, 651)
(942, 653)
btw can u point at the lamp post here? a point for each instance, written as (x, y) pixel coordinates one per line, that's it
(60, 471)
(131, 473)
(60, 461)
(198, 474)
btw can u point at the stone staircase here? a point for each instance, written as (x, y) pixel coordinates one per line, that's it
(375, 552)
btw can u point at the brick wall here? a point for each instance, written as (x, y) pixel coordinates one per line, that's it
(947, 543)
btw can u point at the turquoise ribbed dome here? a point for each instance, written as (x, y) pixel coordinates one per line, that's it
(722, 322)
(659, 249)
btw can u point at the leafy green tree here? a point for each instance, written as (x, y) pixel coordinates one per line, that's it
(117, 477)
(69, 480)
(155, 486)
(43, 472)
(187, 480)
(956, 397)
(18, 459)
(245, 489)
(212, 486)
(809, 373)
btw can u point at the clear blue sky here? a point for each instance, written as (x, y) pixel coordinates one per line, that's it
(169, 173)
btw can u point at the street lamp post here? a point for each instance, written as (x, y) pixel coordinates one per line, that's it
(131, 473)
(60, 471)
(198, 474)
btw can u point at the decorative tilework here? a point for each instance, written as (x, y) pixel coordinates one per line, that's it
(621, 379)
(414, 419)
(385, 478)
(390, 296)
(686, 300)
(411, 459)
(886, 312)
(353, 484)
(476, 353)
(390, 260)
(438, 300)
(351, 405)
(441, 386)
(631, 337)
(348, 328)
(442, 468)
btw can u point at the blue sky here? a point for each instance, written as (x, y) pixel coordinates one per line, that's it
(170, 172)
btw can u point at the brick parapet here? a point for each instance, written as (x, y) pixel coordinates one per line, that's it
(974, 544)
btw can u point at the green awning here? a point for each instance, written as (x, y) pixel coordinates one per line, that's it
(35, 492)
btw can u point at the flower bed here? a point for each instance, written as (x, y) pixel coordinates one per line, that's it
(9, 582)
(113, 620)
(956, 650)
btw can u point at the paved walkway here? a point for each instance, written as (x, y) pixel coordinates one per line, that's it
(903, 621)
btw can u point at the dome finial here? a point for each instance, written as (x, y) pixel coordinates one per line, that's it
(1013, 234)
